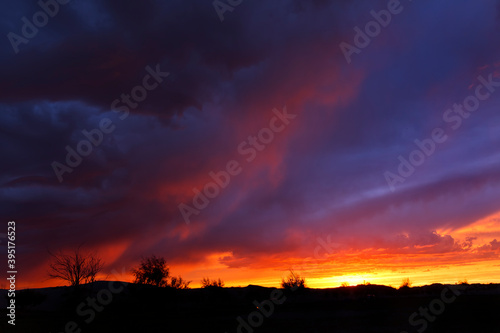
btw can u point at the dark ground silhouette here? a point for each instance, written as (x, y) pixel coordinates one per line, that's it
(366, 308)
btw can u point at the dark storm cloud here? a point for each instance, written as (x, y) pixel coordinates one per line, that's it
(323, 174)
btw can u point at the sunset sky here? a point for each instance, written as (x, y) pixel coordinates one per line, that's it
(313, 137)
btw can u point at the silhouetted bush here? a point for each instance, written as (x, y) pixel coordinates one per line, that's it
(178, 283)
(207, 283)
(293, 282)
(406, 283)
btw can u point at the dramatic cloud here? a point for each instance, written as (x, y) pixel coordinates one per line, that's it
(321, 171)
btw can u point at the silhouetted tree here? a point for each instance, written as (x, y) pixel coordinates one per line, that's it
(152, 271)
(206, 282)
(293, 282)
(76, 267)
(178, 283)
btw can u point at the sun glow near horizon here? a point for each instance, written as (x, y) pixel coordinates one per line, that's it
(471, 257)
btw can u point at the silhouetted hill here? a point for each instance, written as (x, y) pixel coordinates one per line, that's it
(117, 307)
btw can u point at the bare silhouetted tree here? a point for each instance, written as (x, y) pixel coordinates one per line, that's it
(76, 267)
(152, 270)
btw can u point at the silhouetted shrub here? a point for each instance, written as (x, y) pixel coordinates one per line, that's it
(406, 283)
(293, 282)
(207, 283)
(178, 283)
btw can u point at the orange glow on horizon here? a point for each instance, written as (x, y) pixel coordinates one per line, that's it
(476, 261)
